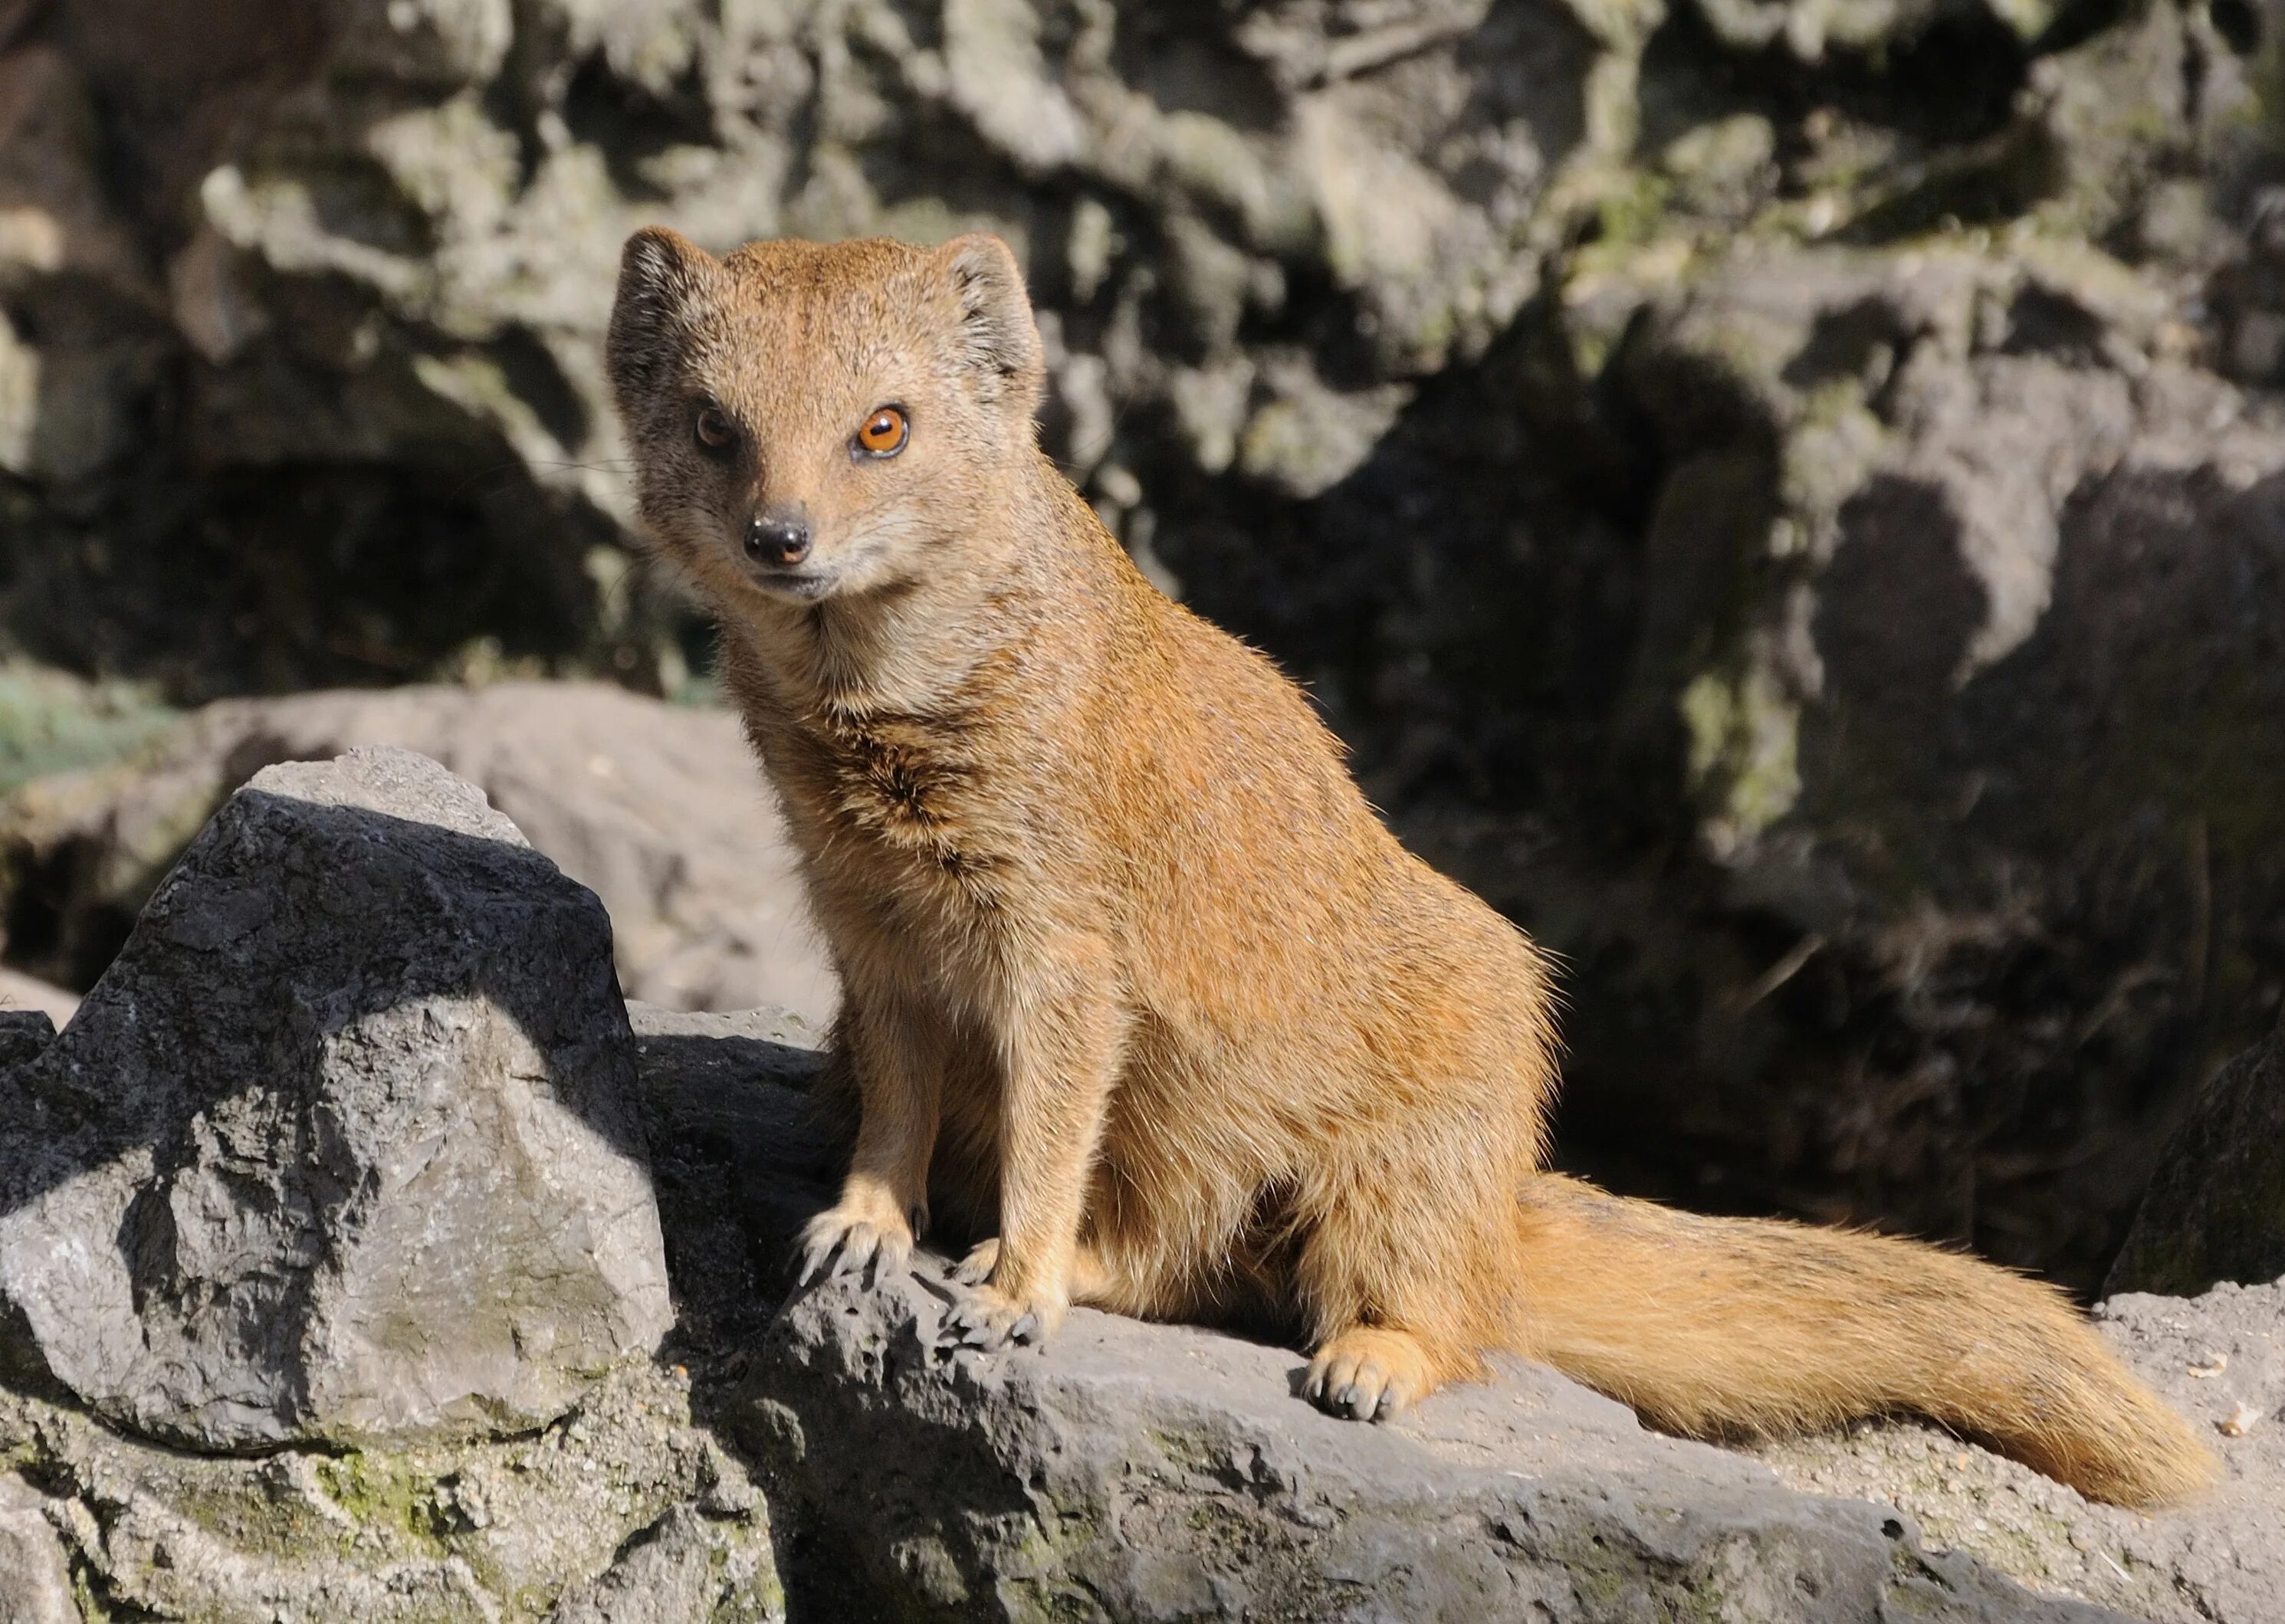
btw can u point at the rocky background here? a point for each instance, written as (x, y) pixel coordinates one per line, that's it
(1783, 496)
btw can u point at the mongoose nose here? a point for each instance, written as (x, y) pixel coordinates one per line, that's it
(773, 538)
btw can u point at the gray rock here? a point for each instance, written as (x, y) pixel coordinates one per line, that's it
(2220, 1360)
(1131, 1472)
(1958, 627)
(623, 1505)
(344, 1145)
(741, 1158)
(36, 1584)
(624, 1510)
(2216, 1207)
(686, 1568)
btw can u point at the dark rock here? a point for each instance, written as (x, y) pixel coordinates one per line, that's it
(741, 1158)
(23, 1034)
(2216, 1207)
(345, 1144)
(1959, 633)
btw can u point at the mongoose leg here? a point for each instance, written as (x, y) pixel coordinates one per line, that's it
(1062, 1042)
(1090, 1283)
(1390, 1315)
(899, 1061)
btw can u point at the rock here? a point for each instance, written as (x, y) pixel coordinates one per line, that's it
(659, 809)
(390, 229)
(35, 1585)
(741, 1159)
(1946, 541)
(23, 1034)
(344, 1146)
(684, 1567)
(2220, 1561)
(624, 1510)
(1135, 1472)
(2215, 1209)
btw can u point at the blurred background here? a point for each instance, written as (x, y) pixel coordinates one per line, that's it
(1784, 497)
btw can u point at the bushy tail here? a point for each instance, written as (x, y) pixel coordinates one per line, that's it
(1721, 1327)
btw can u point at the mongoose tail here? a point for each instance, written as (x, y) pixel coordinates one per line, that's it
(1718, 1328)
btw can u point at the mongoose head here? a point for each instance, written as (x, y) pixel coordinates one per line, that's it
(813, 421)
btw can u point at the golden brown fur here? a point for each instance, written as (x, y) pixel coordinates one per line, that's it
(1136, 982)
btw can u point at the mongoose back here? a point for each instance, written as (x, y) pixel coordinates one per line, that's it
(1135, 982)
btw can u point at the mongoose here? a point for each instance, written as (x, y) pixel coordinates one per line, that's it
(1135, 980)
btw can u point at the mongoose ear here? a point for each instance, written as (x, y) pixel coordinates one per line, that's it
(660, 271)
(997, 338)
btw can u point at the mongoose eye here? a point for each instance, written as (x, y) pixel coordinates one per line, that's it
(884, 433)
(715, 431)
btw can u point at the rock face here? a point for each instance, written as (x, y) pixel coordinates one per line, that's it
(343, 1146)
(1783, 497)
(2216, 1208)
(658, 809)
(1959, 633)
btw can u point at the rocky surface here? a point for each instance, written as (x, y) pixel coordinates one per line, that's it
(658, 809)
(1782, 496)
(2220, 1358)
(344, 1145)
(622, 1510)
(2216, 1208)
(1136, 1472)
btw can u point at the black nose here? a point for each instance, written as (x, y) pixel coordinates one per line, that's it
(774, 539)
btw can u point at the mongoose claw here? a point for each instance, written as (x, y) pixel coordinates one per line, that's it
(1366, 1375)
(833, 1245)
(987, 1321)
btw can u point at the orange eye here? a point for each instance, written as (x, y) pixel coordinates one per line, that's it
(884, 434)
(715, 431)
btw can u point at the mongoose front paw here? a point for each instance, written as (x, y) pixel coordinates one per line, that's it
(1367, 1375)
(977, 1266)
(988, 1318)
(838, 1241)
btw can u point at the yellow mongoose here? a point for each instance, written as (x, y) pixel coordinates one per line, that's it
(1134, 977)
